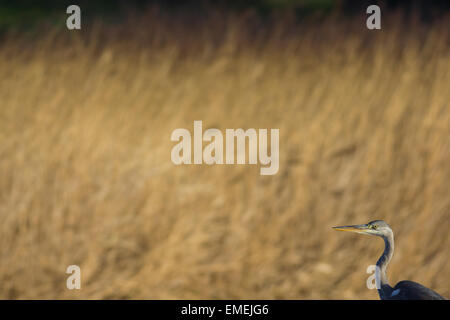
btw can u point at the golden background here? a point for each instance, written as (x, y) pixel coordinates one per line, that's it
(86, 176)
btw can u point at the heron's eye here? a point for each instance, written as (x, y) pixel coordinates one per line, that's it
(374, 227)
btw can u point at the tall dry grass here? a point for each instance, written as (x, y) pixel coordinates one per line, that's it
(86, 176)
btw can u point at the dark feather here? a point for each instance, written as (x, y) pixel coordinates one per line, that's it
(410, 290)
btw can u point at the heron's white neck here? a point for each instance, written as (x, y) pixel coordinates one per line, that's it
(384, 260)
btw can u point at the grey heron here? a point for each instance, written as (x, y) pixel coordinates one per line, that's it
(404, 290)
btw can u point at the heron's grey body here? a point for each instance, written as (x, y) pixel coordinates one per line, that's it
(404, 290)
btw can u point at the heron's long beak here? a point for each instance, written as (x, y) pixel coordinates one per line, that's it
(359, 228)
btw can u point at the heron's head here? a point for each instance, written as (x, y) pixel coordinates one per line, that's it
(373, 228)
